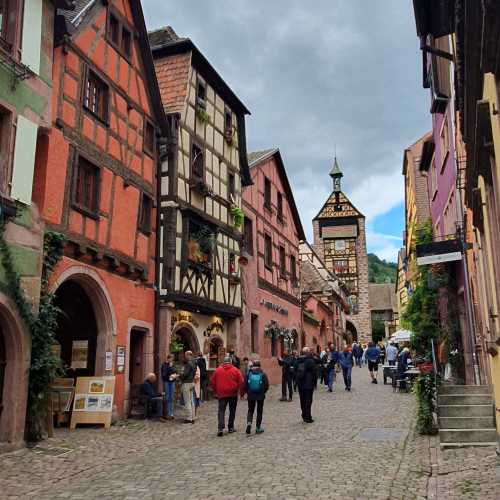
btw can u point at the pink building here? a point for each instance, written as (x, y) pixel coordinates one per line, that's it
(270, 270)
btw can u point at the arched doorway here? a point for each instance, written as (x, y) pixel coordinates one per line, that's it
(352, 333)
(187, 338)
(216, 352)
(76, 330)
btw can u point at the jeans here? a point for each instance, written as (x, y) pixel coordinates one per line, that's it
(260, 411)
(392, 362)
(306, 399)
(346, 372)
(287, 381)
(359, 361)
(223, 402)
(330, 377)
(204, 389)
(169, 397)
(155, 406)
(187, 395)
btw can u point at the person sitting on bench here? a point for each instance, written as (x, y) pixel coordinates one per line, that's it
(153, 401)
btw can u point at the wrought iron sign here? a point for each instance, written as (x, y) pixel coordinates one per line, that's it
(274, 307)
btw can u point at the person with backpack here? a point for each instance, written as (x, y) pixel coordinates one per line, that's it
(373, 355)
(307, 380)
(168, 377)
(256, 387)
(287, 375)
(346, 360)
(227, 382)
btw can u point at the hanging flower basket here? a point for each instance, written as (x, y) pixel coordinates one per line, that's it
(238, 216)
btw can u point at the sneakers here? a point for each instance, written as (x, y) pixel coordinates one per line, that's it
(249, 429)
(230, 431)
(259, 430)
(220, 434)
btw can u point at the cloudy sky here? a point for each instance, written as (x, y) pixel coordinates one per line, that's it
(320, 75)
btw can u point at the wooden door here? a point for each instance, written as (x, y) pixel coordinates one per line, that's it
(136, 367)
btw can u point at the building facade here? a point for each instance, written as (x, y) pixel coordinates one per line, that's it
(26, 45)
(96, 184)
(383, 308)
(340, 242)
(202, 177)
(271, 274)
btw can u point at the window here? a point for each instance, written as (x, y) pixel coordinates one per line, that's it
(340, 245)
(200, 243)
(114, 29)
(280, 206)
(293, 267)
(228, 121)
(267, 192)
(86, 189)
(5, 134)
(282, 262)
(268, 251)
(145, 214)
(197, 163)
(341, 266)
(149, 137)
(445, 144)
(96, 96)
(126, 44)
(254, 334)
(248, 235)
(231, 186)
(119, 35)
(201, 94)
(8, 16)
(232, 264)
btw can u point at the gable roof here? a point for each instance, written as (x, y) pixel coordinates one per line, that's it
(165, 42)
(256, 158)
(82, 8)
(382, 297)
(343, 199)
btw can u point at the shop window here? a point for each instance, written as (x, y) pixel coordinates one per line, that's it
(201, 94)
(231, 186)
(267, 193)
(200, 244)
(145, 214)
(282, 262)
(149, 137)
(197, 163)
(86, 187)
(248, 235)
(280, 207)
(268, 252)
(96, 96)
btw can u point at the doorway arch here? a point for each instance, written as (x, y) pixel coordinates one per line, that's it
(88, 282)
(14, 372)
(185, 334)
(351, 332)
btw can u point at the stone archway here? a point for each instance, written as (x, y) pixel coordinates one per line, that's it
(16, 343)
(184, 333)
(95, 290)
(351, 332)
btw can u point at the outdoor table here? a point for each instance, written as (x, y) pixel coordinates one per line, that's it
(389, 371)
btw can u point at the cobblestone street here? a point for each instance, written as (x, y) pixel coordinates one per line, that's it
(361, 445)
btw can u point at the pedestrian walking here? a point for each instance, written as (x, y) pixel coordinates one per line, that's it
(357, 352)
(227, 382)
(295, 356)
(202, 365)
(333, 359)
(169, 376)
(381, 346)
(346, 361)
(391, 354)
(287, 374)
(187, 379)
(307, 380)
(234, 359)
(256, 387)
(373, 355)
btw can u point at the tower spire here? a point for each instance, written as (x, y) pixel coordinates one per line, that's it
(336, 174)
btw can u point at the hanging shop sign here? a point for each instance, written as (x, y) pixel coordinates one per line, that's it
(183, 316)
(273, 330)
(93, 401)
(274, 307)
(438, 252)
(214, 327)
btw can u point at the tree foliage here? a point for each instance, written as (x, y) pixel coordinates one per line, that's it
(381, 271)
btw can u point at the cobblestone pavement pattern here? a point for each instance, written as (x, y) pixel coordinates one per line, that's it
(362, 445)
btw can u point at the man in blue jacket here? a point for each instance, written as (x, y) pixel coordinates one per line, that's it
(373, 355)
(346, 360)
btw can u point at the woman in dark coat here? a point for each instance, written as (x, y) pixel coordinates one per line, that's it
(257, 385)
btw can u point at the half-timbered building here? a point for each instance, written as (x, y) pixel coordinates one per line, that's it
(340, 241)
(271, 274)
(95, 183)
(200, 204)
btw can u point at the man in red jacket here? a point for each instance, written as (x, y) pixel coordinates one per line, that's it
(227, 381)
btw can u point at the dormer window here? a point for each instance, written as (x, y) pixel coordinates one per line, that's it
(201, 94)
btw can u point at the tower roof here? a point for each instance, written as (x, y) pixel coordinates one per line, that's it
(335, 171)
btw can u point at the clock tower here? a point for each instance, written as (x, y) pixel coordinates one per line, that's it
(340, 240)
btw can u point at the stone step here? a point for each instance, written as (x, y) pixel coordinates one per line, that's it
(464, 399)
(465, 410)
(464, 389)
(467, 435)
(445, 446)
(466, 422)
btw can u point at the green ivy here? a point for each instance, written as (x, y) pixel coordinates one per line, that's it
(424, 389)
(45, 365)
(238, 215)
(202, 115)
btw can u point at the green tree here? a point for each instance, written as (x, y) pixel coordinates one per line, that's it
(378, 330)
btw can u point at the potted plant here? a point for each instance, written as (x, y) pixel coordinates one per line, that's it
(238, 215)
(202, 115)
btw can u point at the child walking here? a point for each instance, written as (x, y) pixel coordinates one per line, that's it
(257, 385)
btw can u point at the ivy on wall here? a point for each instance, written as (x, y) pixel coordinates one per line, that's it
(45, 365)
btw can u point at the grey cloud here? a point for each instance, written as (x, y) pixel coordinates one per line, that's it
(314, 74)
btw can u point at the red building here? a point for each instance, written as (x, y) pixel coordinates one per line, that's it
(271, 287)
(95, 183)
